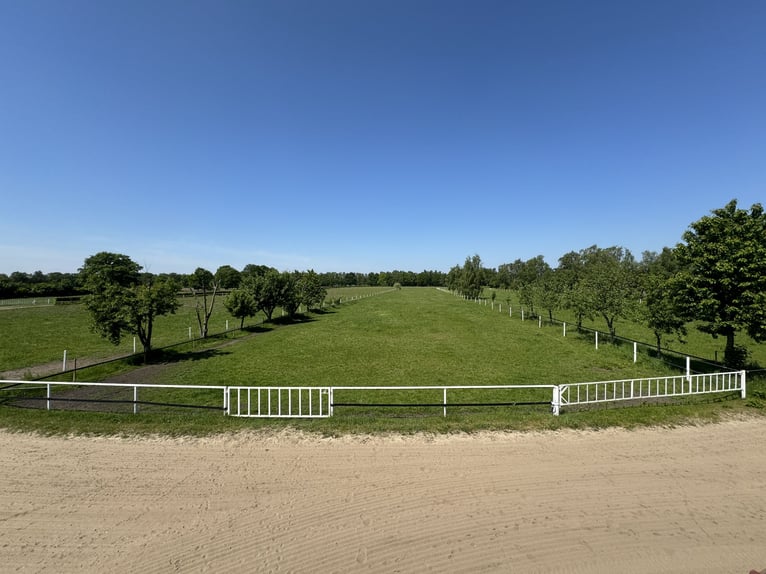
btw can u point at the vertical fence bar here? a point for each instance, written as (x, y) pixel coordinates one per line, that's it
(445, 401)
(743, 394)
(135, 399)
(48, 396)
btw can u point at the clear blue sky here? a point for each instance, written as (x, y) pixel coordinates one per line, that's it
(361, 135)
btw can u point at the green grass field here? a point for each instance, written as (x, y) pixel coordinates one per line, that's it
(415, 336)
(34, 335)
(696, 343)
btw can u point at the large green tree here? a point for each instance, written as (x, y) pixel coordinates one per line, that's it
(724, 279)
(123, 300)
(310, 291)
(660, 308)
(471, 277)
(609, 283)
(241, 304)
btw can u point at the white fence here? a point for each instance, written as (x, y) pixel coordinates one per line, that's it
(320, 402)
(135, 399)
(650, 388)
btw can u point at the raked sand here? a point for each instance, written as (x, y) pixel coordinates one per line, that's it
(688, 499)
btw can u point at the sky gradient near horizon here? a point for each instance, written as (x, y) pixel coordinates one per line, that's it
(347, 135)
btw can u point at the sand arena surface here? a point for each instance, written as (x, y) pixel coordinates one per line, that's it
(690, 499)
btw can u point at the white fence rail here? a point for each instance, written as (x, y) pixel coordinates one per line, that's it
(319, 402)
(444, 400)
(50, 398)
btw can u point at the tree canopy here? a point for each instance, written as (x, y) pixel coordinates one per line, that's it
(123, 300)
(723, 282)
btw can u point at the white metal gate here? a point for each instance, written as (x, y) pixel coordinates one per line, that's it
(279, 402)
(650, 388)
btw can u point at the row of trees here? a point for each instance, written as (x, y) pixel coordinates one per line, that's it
(122, 300)
(38, 284)
(716, 276)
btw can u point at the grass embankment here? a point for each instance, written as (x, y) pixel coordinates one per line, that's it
(408, 337)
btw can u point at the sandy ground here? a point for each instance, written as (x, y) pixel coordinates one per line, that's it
(689, 499)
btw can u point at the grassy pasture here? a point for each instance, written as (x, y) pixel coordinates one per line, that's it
(696, 343)
(36, 335)
(416, 336)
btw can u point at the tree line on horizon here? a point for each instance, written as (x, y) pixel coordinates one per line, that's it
(20, 284)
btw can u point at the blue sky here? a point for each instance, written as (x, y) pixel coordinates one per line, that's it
(352, 135)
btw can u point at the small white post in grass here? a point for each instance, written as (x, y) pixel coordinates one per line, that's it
(539, 321)
(596, 339)
(565, 328)
(134, 345)
(190, 333)
(689, 372)
(63, 365)
(522, 313)
(635, 351)
(510, 310)
(227, 324)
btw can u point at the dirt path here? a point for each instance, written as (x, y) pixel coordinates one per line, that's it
(688, 499)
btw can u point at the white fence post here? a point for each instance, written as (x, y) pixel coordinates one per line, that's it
(565, 328)
(743, 394)
(63, 365)
(48, 396)
(596, 340)
(635, 351)
(556, 401)
(135, 399)
(689, 372)
(539, 321)
(445, 401)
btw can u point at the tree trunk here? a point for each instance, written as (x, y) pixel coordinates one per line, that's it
(658, 336)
